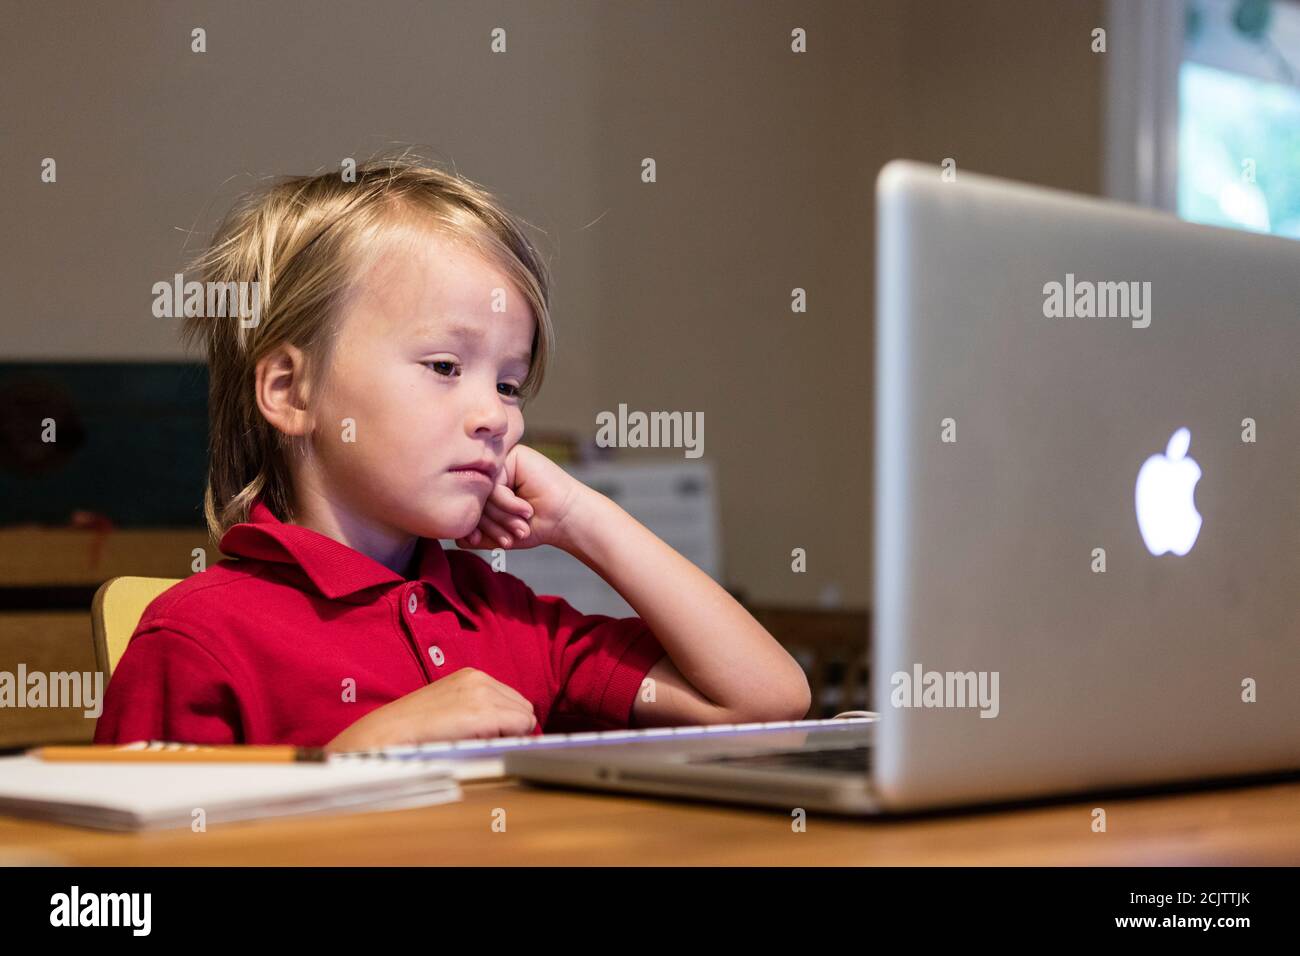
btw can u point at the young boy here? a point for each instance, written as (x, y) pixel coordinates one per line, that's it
(371, 406)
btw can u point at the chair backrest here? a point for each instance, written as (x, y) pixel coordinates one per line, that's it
(115, 612)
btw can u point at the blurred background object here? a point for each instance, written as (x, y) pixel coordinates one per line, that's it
(1203, 110)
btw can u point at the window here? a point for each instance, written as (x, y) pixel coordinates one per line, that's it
(1204, 110)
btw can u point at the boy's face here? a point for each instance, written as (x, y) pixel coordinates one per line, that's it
(430, 374)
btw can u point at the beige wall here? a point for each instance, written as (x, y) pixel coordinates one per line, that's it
(669, 296)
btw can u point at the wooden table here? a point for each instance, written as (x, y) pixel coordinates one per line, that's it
(1257, 824)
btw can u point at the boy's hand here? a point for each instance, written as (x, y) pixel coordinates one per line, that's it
(465, 704)
(532, 500)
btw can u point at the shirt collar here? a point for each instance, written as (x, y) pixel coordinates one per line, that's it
(335, 569)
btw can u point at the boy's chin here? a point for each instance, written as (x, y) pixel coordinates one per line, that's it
(456, 530)
(450, 525)
(448, 533)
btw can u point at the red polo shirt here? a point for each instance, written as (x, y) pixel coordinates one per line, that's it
(263, 649)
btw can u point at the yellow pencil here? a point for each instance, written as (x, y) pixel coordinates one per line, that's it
(161, 751)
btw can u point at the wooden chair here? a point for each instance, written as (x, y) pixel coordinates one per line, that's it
(115, 612)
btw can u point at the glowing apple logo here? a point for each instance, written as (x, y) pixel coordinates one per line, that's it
(1166, 515)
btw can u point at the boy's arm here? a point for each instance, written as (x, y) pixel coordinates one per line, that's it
(168, 687)
(722, 666)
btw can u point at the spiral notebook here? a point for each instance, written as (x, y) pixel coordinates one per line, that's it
(155, 796)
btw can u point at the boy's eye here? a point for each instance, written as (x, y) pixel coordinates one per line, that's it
(513, 391)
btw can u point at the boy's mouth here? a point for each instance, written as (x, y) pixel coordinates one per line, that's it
(474, 469)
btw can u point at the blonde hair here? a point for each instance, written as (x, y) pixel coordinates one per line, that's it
(304, 240)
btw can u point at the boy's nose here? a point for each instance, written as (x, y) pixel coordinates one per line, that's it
(489, 416)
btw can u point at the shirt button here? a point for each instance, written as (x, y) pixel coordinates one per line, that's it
(435, 653)
(412, 604)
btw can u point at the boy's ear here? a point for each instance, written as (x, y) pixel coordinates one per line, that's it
(281, 389)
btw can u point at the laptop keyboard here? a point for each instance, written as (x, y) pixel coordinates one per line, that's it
(496, 746)
(831, 759)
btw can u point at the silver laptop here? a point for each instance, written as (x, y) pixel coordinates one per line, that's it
(1087, 518)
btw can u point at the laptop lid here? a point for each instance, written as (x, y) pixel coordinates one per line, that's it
(1043, 620)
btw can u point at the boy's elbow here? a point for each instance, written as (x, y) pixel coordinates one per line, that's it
(801, 698)
(790, 701)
